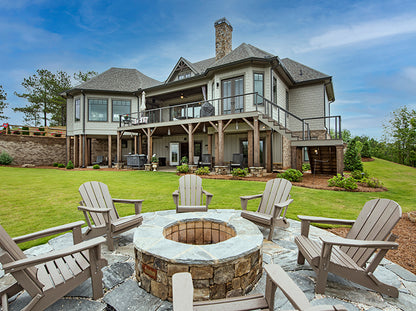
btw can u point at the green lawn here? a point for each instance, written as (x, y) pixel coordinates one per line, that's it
(35, 199)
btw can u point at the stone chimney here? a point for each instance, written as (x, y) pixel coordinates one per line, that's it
(223, 38)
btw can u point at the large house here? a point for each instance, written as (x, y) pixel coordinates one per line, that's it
(275, 112)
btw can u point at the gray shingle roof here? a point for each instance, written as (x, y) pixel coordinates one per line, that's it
(203, 65)
(300, 72)
(120, 80)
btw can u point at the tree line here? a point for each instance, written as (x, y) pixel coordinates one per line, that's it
(44, 104)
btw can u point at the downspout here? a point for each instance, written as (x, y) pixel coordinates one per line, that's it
(83, 131)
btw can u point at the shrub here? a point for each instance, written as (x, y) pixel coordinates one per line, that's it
(239, 172)
(70, 165)
(343, 182)
(61, 165)
(55, 164)
(184, 160)
(372, 182)
(291, 175)
(358, 175)
(306, 167)
(96, 166)
(184, 168)
(5, 158)
(352, 159)
(202, 171)
(366, 151)
(25, 130)
(155, 159)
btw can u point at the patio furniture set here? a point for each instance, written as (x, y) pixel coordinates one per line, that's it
(49, 277)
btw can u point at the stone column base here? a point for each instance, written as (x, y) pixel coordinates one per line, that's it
(256, 171)
(148, 167)
(221, 170)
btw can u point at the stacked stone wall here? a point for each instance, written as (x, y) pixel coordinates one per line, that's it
(36, 150)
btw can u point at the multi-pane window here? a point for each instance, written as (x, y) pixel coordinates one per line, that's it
(97, 110)
(77, 109)
(184, 75)
(120, 107)
(258, 87)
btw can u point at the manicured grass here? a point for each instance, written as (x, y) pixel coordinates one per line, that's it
(35, 199)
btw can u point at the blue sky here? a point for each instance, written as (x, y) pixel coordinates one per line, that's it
(367, 46)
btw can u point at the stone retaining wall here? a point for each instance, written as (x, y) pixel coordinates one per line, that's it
(37, 150)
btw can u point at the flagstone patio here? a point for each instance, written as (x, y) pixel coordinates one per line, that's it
(122, 292)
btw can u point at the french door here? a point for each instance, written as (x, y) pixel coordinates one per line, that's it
(232, 88)
(173, 154)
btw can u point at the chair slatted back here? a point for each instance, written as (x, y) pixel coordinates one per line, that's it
(277, 190)
(25, 277)
(374, 223)
(238, 158)
(206, 158)
(96, 194)
(190, 190)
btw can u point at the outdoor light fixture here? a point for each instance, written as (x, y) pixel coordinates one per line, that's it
(236, 124)
(168, 131)
(204, 129)
(181, 95)
(316, 151)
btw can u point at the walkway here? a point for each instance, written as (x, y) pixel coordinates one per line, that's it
(123, 293)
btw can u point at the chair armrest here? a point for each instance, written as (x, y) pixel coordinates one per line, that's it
(208, 195)
(182, 291)
(288, 287)
(175, 196)
(324, 220)
(359, 243)
(137, 204)
(244, 200)
(32, 261)
(74, 226)
(94, 210)
(284, 204)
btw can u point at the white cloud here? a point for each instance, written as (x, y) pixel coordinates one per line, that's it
(362, 32)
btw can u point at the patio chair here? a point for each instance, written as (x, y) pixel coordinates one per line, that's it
(99, 161)
(189, 196)
(182, 288)
(349, 257)
(50, 276)
(98, 206)
(206, 160)
(237, 161)
(273, 205)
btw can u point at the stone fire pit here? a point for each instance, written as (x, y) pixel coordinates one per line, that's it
(221, 250)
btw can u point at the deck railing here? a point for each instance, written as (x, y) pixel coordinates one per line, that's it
(248, 102)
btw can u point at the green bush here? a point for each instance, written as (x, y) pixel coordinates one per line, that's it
(372, 182)
(70, 165)
(5, 158)
(306, 167)
(184, 168)
(155, 159)
(25, 130)
(184, 160)
(202, 171)
(61, 165)
(352, 159)
(239, 172)
(358, 175)
(291, 175)
(340, 181)
(366, 150)
(96, 166)
(55, 164)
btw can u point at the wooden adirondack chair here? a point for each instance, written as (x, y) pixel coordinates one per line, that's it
(348, 257)
(276, 277)
(273, 205)
(98, 205)
(189, 196)
(49, 277)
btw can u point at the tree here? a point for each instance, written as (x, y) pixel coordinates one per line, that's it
(366, 151)
(84, 76)
(42, 93)
(400, 132)
(3, 103)
(352, 159)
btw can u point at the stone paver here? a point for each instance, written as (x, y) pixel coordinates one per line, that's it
(122, 291)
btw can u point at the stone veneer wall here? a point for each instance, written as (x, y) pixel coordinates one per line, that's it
(36, 150)
(215, 281)
(287, 153)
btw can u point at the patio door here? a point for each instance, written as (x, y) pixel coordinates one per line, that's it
(232, 88)
(173, 154)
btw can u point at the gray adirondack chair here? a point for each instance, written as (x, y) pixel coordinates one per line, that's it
(276, 277)
(349, 257)
(273, 205)
(189, 196)
(49, 277)
(101, 215)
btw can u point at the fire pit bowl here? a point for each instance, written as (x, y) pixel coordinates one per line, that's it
(221, 250)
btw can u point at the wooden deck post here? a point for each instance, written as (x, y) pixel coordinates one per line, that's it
(250, 148)
(256, 142)
(190, 144)
(81, 151)
(76, 151)
(220, 143)
(118, 147)
(209, 151)
(68, 149)
(340, 159)
(88, 152)
(140, 144)
(135, 144)
(216, 148)
(269, 160)
(110, 162)
(296, 158)
(149, 148)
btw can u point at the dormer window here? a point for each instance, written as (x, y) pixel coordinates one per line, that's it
(184, 75)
